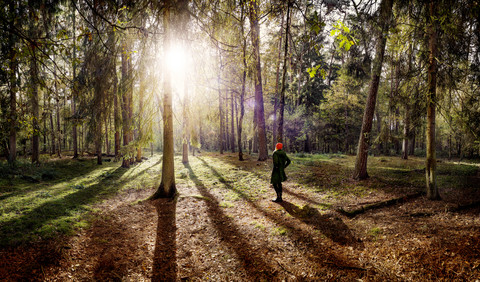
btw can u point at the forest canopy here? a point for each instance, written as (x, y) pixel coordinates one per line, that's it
(91, 77)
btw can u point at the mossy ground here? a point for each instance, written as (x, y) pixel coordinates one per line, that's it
(96, 223)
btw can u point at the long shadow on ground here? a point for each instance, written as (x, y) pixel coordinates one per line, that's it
(332, 227)
(47, 174)
(165, 255)
(255, 266)
(40, 217)
(50, 251)
(320, 254)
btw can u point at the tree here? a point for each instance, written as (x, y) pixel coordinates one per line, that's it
(260, 115)
(34, 84)
(364, 139)
(167, 188)
(12, 75)
(430, 162)
(244, 76)
(74, 86)
(284, 77)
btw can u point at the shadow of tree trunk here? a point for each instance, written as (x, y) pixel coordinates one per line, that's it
(165, 260)
(256, 267)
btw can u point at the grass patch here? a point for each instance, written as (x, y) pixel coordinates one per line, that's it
(280, 231)
(375, 232)
(225, 204)
(54, 197)
(259, 225)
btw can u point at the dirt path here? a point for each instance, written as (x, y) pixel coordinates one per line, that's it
(216, 230)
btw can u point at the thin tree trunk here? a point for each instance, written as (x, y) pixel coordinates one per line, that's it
(232, 123)
(74, 90)
(34, 89)
(430, 163)
(107, 142)
(116, 108)
(12, 141)
(406, 134)
(52, 129)
(141, 94)
(277, 81)
(242, 93)
(185, 140)
(125, 102)
(57, 106)
(284, 77)
(255, 35)
(227, 131)
(220, 109)
(364, 139)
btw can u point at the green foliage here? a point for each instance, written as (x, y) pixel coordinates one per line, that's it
(343, 35)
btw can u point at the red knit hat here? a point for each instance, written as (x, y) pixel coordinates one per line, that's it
(279, 146)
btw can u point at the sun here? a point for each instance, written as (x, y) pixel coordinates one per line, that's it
(176, 59)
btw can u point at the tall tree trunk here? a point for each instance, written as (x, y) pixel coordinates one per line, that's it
(98, 97)
(167, 187)
(277, 82)
(242, 93)
(185, 139)
(141, 95)
(364, 139)
(232, 123)
(57, 105)
(221, 140)
(117, 119)
(74, 89)
(227, 132)
(125, 84)
(34, 87)
(284, 77)
(12, 141)
(255, 35)
(430, 163)
(106, 121)
(184, 21)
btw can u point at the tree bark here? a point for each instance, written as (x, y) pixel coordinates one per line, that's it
(34, 88)
(167, 187)
(74, 90)
(364, 139)
(277, 81)
(125, 84)
(284, 77)
(117, 119)
(232, 123)
(406, 130)
(255, 36)
(242, 93)
(430, 163)
(220, 110)
(12, 141)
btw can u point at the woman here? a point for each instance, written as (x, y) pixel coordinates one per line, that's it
(280, 162)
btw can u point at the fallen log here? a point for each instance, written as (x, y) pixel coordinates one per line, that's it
(391, 202)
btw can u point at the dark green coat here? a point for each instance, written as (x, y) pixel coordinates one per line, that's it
(280, 162)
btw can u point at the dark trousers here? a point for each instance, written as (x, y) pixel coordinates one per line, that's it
(278, 189)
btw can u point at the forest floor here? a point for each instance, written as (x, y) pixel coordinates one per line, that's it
(96, 223)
